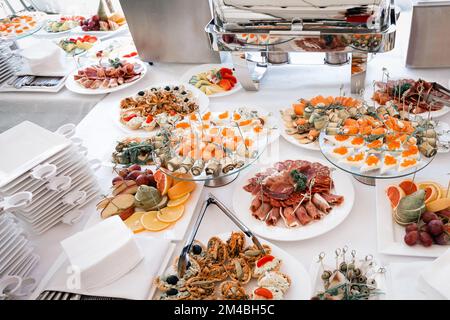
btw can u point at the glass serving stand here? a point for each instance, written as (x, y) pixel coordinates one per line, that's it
(220, 179)
(370, 177)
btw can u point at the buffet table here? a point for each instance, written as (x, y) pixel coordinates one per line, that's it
(282, 86)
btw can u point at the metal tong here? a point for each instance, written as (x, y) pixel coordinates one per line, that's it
(183, 260)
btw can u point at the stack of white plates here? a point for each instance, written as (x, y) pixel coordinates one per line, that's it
(16, 253)
(45, 176)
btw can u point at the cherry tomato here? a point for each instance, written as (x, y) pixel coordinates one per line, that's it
(264, 260)
(263, 292)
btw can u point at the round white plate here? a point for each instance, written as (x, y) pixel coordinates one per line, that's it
(342, 186)
(74, 86)
(301, 288)
(122, 46)
(206, 67)
(203, 103)
(292, 140)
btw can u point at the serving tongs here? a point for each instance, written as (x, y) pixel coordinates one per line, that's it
(183, 260)
(442, 90)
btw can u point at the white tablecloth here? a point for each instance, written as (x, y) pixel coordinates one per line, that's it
(282, 86)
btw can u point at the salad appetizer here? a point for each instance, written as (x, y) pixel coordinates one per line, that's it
(79, 45)
(423, 208)
(214, 81)
(225, 270)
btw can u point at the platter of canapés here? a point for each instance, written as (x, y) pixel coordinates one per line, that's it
(151, 201)
(228, 267)
(379, 142)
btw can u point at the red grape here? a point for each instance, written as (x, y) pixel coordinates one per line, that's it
(435, 227)
(428, 216)
(133, 175)
(142, 179)
(411, 238)
(425, 239)
(442, 239)
(444, 213)
(95, 17)
(148, 171)
(134, 167)
(411, 227)
(151, 180)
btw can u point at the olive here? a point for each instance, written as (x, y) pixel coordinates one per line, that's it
(167, 88)
(343, 267)
(351, 266)
(172, 292)
(362, 279)
(173, 280)
(186, 100)
(176, 88)
(326, 275)
(196, 249)
(357, 272)
(141, 93)
(183, 92)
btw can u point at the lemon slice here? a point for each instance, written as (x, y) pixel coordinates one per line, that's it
(134, 222)
(150, 221)
(170, 214)
(177, 202)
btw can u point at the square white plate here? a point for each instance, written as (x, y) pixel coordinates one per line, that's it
(390, 234)
(25, 146)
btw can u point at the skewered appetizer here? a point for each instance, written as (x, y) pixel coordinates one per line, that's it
(225, 272)
(214, 81)
(146, 201)
(349, 278)
(307, 118)
(79, 45)
(157, 107)
(294, 192)
(381, 139)
(109, 75)
(413, 96)
(423, 208)
(17, 25)
(63, 24)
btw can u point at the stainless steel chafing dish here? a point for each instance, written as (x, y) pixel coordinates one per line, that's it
(259, 33)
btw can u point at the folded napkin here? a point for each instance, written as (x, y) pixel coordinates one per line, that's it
(45, 59)
(136, 284)
(102, 253)
(405, 282)
(437, 275)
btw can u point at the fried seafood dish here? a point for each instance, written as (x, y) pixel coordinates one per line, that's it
(413, 96)
(295, 192)
(225, 272)
(157, 107)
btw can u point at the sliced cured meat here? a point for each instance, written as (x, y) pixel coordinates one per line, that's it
(274, 216)
(289, 218)
(332, 198)
(256, 203)
(321, 203)
(302, 215)
(312, 210)
(262, 211)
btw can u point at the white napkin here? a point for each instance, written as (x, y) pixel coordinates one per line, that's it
(437, 275)
(102, 253)
(45, 58)
(136, 284)
(405, 282)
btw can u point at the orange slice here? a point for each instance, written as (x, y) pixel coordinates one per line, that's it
(170, 214)
(179, 201)
(394, 194)
(163, 182)
(180, 189)
(438, 205)
(134, 222)
(408, 186)
(151, 222)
